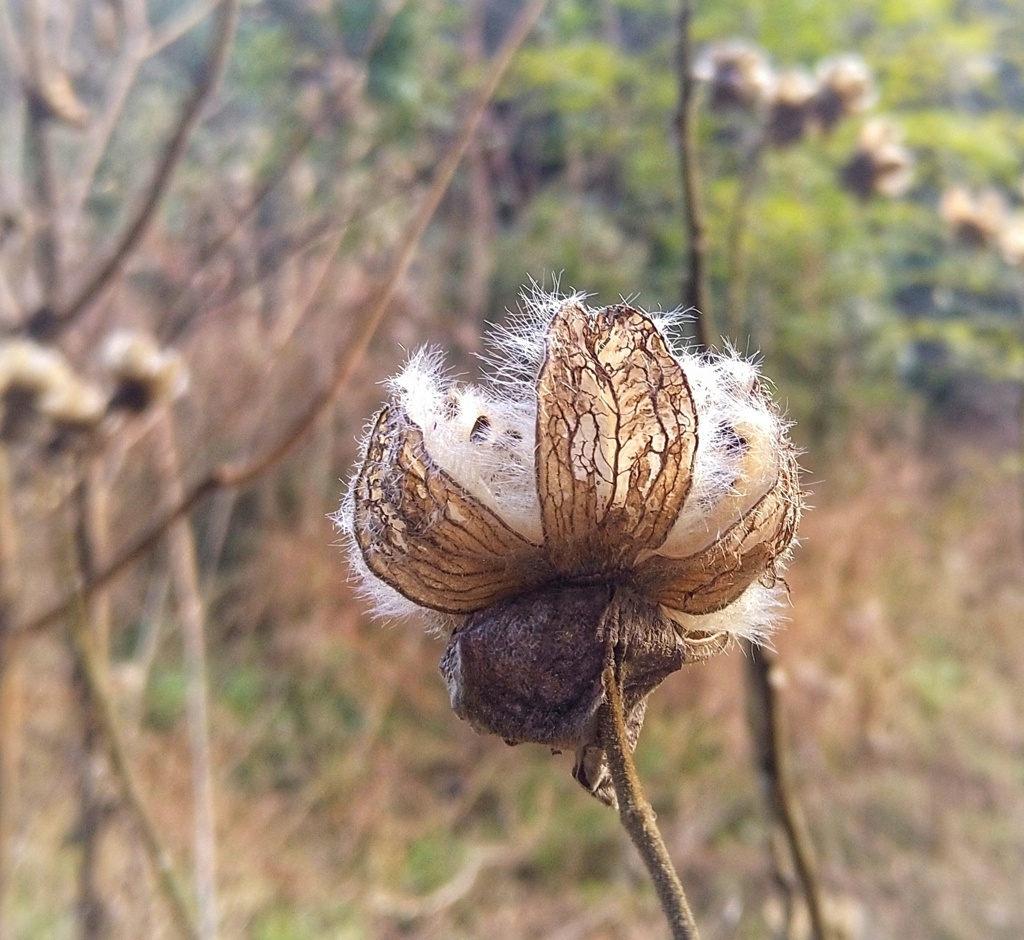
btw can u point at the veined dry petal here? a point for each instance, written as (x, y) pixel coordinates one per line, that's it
(715, 577)
(420, 532)
(616, 433)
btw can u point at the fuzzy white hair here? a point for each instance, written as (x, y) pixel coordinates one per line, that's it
(484, 437)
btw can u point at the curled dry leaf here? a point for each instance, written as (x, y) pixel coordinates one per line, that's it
(602, 494)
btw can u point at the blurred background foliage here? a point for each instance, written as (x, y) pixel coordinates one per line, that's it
(349, 801)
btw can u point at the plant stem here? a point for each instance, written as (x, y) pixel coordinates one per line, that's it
(160, 858)
(185, 576)
(696, 295)
(763, 681)
(90, 537)
(11, 692)
(636, 812)
(135, 228)
(736, 245)
(765, 718)
(41, 159)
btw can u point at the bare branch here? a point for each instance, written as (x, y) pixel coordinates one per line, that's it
(239, 474)
(90, 524)
(44, 178)
(107, 269)
(696, 296)
(179, 26)
(11, 47)
(159, 856)
(11, 694)
(764, 679)
(736, 244)
(451, 892)
(295, 148)
(119, 86)
(481, 857)
(764, 710)
(185, 574)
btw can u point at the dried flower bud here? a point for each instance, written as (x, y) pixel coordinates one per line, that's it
(144, 373)
(600, 491)
(27, 372)
(737, 75)
(54, 98)
(880, 165)
(30, 367)
(1011, 240)
(974, 220)
(845, 88)
(790, 108)
(74, 405)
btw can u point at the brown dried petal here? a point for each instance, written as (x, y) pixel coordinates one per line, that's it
(715, 577)
(421, 533)
(617, 434)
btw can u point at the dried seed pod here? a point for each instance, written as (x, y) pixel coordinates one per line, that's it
(975, 220)
(845, 88)
(880, 165)
(28, 371)
(1011, 239)
(602, 493)
(31, 367)
(75, 405)
(737, 75)
(144, 373)
(55, 99)
(790, 108)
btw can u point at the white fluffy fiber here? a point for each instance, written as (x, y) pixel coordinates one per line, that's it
(480, 437)
(492, 457)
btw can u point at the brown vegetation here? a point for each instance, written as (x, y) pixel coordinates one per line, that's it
(318, 753)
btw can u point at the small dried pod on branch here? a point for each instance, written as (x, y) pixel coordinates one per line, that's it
(29, 372)
(737, 75)
(54, 98)
(845, 87)
(976, 220)
(791, 108)
(880, 165)
(143, 373)
(75, 410)
(600, 493)
(1011, 239)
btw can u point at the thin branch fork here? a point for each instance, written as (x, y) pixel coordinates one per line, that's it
(241, 473)
(103, 274)
(11, 691)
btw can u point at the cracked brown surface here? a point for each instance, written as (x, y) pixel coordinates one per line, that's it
(616, 438)
(424, 535)
(715, 577)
